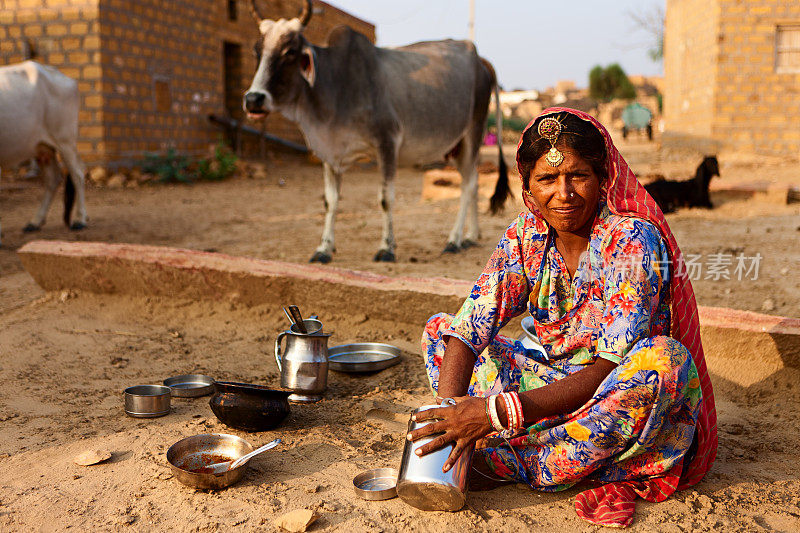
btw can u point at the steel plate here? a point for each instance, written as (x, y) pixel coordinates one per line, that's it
(190, 385)
(363, 357)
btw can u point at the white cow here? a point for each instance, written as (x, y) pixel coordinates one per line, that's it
(39, 118)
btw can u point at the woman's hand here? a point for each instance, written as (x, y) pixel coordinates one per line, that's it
(462, 424)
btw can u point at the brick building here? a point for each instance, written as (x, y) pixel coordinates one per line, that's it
(732, 75)
(151, 71)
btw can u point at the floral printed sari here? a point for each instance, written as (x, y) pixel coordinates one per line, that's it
(650, 426)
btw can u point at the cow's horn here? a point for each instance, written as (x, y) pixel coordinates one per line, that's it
(254, 11)
(305, 16)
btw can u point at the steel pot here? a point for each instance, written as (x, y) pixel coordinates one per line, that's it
(421, 482)
(147, 401)
(304, 362)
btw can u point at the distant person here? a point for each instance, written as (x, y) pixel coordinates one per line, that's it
(619, 397)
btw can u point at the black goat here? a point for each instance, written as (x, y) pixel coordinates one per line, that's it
(670, 195)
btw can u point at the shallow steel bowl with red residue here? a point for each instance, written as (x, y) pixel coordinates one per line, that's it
(188, 457)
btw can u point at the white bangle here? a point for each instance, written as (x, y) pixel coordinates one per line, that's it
(493, 414)
(511, 412)
(517, 423)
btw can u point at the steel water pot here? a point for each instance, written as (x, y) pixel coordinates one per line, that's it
(303, 363)
(421, 482)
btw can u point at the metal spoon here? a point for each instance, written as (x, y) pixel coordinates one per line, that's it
(290, 317)
(221, 468)
(298, 319)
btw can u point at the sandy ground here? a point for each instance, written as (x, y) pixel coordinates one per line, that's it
(65, 359)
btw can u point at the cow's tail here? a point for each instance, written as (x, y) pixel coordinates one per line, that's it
(69, 200)
(502, 191)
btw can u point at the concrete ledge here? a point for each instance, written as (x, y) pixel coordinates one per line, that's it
(158, 271)
(723, 317)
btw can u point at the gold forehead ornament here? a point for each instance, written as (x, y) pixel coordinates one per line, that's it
(550, 128)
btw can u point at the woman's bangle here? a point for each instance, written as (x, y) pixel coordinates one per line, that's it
(509, 410)
(486, 409)
(519, 414)
(511, 396)
(514, 414)
(496, 425)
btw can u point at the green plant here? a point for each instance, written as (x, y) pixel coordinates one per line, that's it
(606, 84)
(219, 167)
(170, 167)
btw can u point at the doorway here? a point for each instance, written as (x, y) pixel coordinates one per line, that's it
(234, 90)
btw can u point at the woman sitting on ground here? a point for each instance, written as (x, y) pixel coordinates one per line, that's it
(620, 397)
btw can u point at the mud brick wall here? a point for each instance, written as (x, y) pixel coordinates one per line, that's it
(160, 75)
(163, 69)
(722, 88)
(691, 51)
(64, 34)
(150, 71)
(757, 109)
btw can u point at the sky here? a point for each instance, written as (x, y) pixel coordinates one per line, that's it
(531, 43)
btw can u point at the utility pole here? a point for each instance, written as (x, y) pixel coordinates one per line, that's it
(472, 20)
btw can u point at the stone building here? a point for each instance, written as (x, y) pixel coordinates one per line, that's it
(732, 75)
(151, 71)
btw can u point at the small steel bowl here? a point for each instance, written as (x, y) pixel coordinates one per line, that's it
(191, 454)
(147, 401)
(377, 484)
(190, 385)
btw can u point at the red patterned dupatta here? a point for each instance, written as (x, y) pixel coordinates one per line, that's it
(612, 504)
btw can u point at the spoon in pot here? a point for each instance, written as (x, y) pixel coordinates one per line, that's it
(298, 319)
(221, 468)
(291, 319)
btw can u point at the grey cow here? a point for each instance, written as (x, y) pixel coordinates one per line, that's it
(39, 118)
(409, 105)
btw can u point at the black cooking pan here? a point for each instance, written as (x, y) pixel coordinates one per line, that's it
(249, 407)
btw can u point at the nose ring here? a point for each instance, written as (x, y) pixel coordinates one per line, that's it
(572, 195)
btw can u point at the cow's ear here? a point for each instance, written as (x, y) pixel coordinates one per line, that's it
(308, 66)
